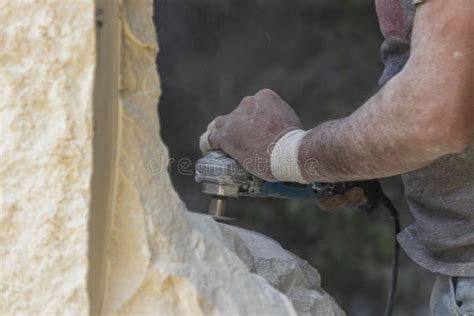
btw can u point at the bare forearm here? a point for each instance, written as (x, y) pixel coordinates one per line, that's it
(420, 115)
(423, 113)
(381, 139)
(400, 129)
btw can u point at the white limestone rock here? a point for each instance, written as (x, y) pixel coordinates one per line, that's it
(180, 270)
(160, 260)
(265, 257)
(47, 60)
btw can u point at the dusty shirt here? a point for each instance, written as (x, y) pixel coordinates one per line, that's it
(440, 196)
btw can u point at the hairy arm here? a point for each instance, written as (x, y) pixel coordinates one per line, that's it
(422, 114)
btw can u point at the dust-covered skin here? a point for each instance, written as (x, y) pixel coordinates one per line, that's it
(249, 132)
(239, 135)
(422, 114)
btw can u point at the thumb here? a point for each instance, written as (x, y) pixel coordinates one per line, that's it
(204, 143)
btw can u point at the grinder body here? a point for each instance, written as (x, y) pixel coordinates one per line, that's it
(223, 177)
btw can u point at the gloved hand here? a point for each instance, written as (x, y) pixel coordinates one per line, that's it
(249, 132)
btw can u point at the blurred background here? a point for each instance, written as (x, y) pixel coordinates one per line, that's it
(322, 57)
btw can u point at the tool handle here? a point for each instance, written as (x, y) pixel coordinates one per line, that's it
(318, 191)
(372, 191)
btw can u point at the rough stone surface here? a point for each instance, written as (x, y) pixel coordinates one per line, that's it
(265, 257)
(167, 265)
(46, 83)
(160, 258)
(178, 263)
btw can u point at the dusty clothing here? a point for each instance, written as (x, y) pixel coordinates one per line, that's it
(452, 296)
(440, 196)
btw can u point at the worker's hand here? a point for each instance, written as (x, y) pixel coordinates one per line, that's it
(364, 195)
(249, 132)
(355, 197)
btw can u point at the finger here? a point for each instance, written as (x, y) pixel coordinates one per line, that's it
(268, 97)
(334, 202)
(204, 141)
(247, 104)
(362, 201)
(219, 121)
(204, 144)
(211, 126)
(266, 93)
(354, 194)
(356, 197)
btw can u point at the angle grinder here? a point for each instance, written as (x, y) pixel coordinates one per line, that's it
(222, 177)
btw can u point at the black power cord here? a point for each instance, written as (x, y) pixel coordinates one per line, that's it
(387, 205)
(376, 199)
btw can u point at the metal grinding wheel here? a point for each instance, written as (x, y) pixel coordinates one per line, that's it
(222, 177)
